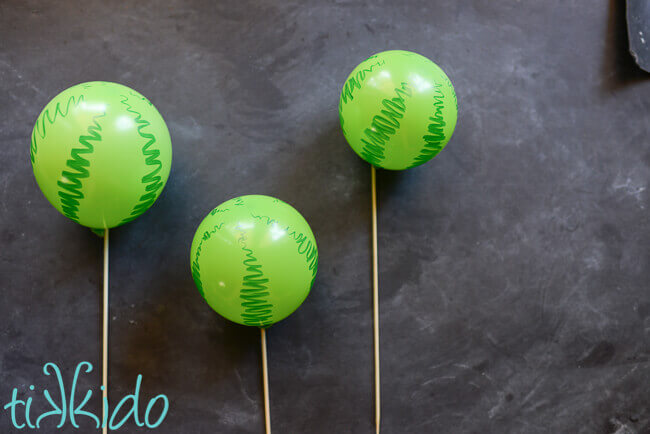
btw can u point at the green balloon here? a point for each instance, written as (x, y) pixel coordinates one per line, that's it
(397, 110)
(101, 153)
(254, 260)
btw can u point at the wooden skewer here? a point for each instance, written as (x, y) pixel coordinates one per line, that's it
(105, 339)
(265, 382)
(375, 298)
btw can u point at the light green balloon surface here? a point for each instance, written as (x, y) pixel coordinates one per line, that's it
(397, 110)
(101, 153)
(254, 260)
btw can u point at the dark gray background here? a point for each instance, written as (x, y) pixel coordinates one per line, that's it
(514, 267)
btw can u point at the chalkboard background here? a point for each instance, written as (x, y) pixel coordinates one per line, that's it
(514, 267)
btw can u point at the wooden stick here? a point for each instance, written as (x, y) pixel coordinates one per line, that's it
(265, 381)
(105, 338)
(375, 298)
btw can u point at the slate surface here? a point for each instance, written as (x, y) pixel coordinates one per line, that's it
(514, 267)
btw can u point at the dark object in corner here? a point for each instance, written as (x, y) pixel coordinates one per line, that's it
(638, 31)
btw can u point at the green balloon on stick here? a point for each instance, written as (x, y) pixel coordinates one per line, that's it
(254, 259)
(101, 154)
(397, 109)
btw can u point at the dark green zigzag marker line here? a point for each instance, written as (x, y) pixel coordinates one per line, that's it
(433, 142)
(70, 189)
(385, 125)
(153, 181)
(40, 129)
(257, 310)
(354, 82)
(196, 270)
(254, 293)
(305, 246)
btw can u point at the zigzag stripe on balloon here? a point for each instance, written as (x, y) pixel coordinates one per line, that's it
(45, 116)
(196, 270)
(354, 82)
(385, 125)
(257, 310)
(152, 180)
(305, 246)
(70, 184)
(435, 141)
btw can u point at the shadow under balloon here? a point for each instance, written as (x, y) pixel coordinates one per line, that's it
(393, 183)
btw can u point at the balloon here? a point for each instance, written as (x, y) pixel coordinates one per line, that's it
(397, 110)
(254, 260)
(101, 153)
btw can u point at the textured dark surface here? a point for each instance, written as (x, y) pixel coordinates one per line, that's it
(514, 267)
